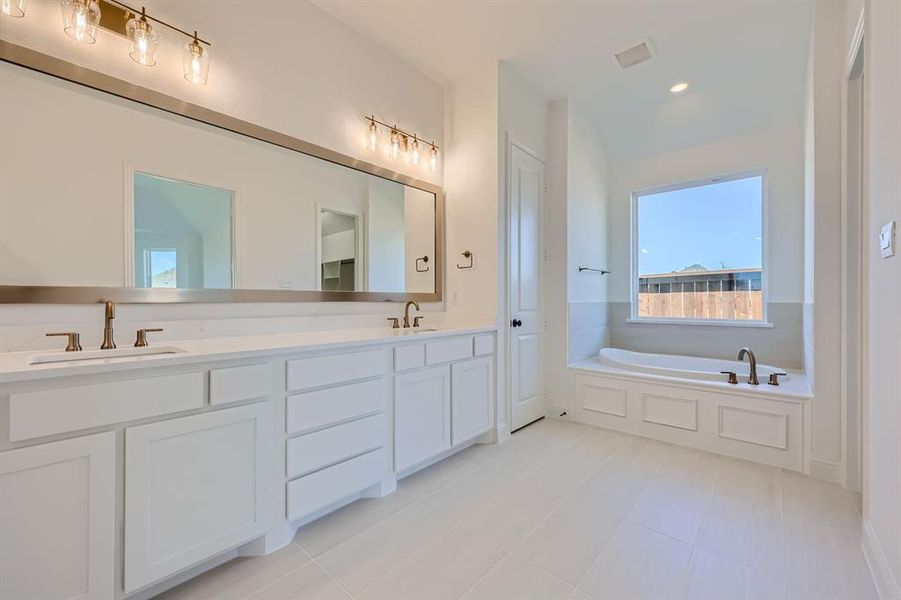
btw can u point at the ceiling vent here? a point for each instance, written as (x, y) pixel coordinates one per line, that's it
(634, 55)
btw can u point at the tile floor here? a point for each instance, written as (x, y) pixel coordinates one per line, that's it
(571, 512)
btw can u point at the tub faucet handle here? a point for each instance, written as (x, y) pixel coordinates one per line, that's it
(774, 378)
(732, 377)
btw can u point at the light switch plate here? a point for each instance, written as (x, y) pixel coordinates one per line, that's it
(887, 240)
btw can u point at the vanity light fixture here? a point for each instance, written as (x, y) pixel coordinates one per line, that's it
(81, 19)
(13, 8)
(402, 144)
(144, 40)
(678, 88)
(416, 155)
(196, 61)
(373, 135)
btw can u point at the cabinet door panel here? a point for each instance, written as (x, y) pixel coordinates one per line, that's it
(194, 487)
(421, 416)
(472, 399)
(57, 520)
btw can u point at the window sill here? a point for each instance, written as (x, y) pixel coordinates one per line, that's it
(702, 322)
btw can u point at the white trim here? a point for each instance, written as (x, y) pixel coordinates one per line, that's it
(827, 470)
(359, 248)
(886, 585)
(763, 173)
(702, 322)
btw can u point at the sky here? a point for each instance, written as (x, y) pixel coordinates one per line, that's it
(711, 225)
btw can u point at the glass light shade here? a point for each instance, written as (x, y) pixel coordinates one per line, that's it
(395, 144)
(144, 41)
(81, 19)
(195, 60)
(416, 157)
(373, 135)
(13, 8)
(433, 158)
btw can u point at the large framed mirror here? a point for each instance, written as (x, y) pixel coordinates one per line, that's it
(113, 191)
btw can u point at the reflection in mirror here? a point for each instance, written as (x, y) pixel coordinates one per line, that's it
(337, 251)
(182, 234)
(203, 207)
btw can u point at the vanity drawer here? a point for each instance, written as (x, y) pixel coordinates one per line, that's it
(325, 447)
(312, 410)
(47, 412)
(483, 344)
(305, 373)
(322, 488)
(239, 383)
(442, 351)
(409, 357)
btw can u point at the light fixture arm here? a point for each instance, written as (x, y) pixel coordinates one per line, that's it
(144, 15)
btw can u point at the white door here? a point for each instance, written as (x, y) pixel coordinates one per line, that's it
(194, 487)
(525, 189)
(57, 520)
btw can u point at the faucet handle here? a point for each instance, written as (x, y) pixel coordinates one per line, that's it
(74, 344)
(774, 378)
(141, 341)
(395, 322)
(416, 320)
(732, 377)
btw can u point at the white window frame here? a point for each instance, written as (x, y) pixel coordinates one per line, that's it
(764, 243)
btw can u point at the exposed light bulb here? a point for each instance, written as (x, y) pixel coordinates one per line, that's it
(373, 135)
(80, 19)
(144, 40)
(395, 144)
(13, 8)
(416, 157)
(433, 158)
(196, 61)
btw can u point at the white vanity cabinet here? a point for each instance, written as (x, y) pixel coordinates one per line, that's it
(422, 415)
(57, 520)
(472, 399)
(195, 486)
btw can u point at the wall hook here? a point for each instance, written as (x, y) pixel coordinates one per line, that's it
(467, 255)
(424, 260)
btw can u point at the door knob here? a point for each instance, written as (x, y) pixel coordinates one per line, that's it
(516, 323)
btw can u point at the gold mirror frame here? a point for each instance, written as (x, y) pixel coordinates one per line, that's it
(55, 67)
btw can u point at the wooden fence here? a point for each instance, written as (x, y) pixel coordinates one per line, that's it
(726, 294)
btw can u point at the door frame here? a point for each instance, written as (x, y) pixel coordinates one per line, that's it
(511, 142)
(857, 454)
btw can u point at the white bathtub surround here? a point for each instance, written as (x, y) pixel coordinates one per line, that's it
(780, 344)
(589, 329)
(684, 400)
(591, 519)
(230, 445)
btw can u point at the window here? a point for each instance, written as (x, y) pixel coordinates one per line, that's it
(698, 251)
(160, 269)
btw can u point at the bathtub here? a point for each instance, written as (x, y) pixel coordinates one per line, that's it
(684, 367)
(685, 400)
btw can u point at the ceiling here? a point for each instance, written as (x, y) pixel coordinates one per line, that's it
(745, 59)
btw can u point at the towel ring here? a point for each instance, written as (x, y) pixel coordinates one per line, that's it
(425, 261)
(467, 255)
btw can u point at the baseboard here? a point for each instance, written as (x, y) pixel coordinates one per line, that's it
(827, 471)
(886, 585)
(502, 433)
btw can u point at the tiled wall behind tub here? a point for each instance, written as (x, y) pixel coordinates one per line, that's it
(780, 345)
(588, 329)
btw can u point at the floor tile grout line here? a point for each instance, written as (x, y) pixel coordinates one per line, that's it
(326, 571)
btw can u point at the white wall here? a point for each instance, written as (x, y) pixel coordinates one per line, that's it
(386, 259)
(295, 70)
(882, 475)
(419, 238)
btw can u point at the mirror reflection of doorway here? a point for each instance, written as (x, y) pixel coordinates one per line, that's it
(338, 251)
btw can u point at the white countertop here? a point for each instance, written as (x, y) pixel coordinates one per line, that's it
(15, 367)
(795, 388)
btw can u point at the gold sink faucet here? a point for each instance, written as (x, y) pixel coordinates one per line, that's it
(108, 342)
(407, 314)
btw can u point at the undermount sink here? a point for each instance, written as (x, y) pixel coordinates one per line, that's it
(412, 331)
(63, 357)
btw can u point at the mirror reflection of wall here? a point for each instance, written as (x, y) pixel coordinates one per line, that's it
(182, 234)
(338, 251)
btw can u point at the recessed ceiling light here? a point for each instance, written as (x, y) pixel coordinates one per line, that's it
(679, 87)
